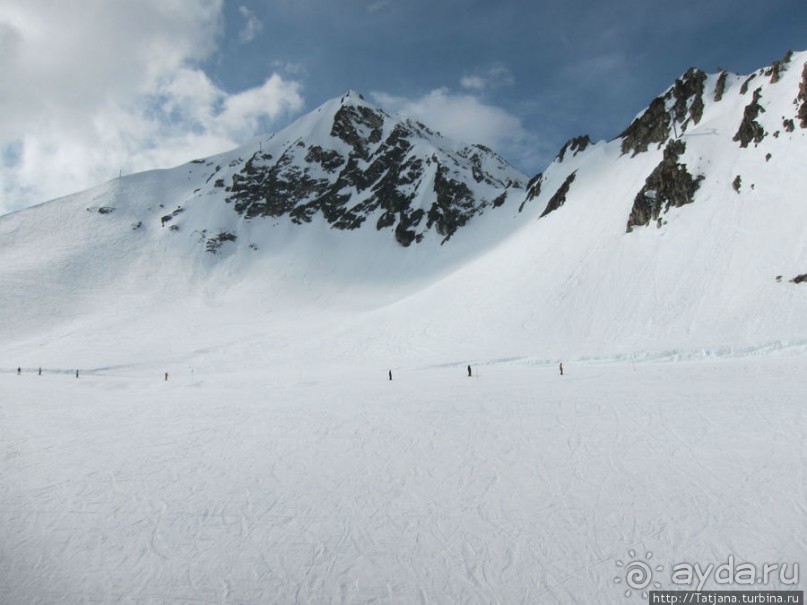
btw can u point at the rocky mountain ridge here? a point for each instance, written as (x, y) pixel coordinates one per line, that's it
(687, 230)
(355, 166)
(350, 162)
(741, 110)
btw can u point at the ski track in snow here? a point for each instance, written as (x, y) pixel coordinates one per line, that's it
(279, 465)
(513, 486)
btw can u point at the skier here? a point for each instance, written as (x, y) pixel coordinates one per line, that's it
(469, 371)
(76, 373)
(561, 368)
(166, 377)
(19, 371)
(390, 374)
(40, 371)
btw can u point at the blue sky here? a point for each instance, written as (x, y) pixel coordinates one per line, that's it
(129, 86)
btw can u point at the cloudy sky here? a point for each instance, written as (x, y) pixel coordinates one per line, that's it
(91, 88)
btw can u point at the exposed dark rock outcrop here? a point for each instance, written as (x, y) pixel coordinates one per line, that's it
(533, 189)
(653, 126)
(750, 129)
(403, 234)
(453, 207)
(803, 98)
(357, 126)
(330, 160)
(670, 185)
(746, 84)
(774, 72)
(682, 103)
(534, 186)
(167, 218)
(559, 198)
(380, 173)
(799, 278)
(688, 94)
(720, 87)
(737, 183)
(214, 243)
(575, 145)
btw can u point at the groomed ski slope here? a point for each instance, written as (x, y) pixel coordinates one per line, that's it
(333, 485)
(278, 464)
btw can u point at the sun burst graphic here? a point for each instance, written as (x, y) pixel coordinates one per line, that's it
(638, 574)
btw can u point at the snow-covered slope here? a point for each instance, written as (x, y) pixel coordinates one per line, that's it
(235, 437)
(688, 227)
(356, 235)
(330, 202)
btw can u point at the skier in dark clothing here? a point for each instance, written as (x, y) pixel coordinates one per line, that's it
(561, 368)
(40, 371)
(19, 371)
(469, 371)
(390, 374)
(76, 373)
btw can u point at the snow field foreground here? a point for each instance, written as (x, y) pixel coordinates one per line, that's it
(339, 486)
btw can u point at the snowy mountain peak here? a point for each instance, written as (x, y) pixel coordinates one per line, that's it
(324, 216)
(351, 163)
(708, 137)
(282, 463)
(352, 97)
(682, 104)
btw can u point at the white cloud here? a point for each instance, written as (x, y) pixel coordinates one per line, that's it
(116, 86)
(492, 77)
(252, 27)
(463, 117)
(595, 70)
(473, 82)
(245, 111)
(377, 5)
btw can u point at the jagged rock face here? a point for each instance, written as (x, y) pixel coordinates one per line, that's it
(775, 71)
(374, 166)
(575, 145)
(688, 94)
(720, 87)
(669, 185)
(803, 98)
(358, 126)
(653, 126)
(213, 244)
(682, 103)
(533, 190)
(750, 129)
(559, 198)
(683, 114)
(747, 83)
